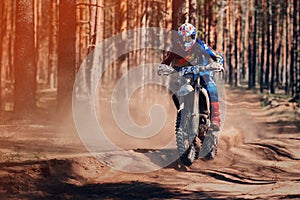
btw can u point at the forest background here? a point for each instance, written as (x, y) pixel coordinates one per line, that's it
(43, 43)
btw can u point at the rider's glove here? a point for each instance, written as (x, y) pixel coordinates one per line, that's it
(218, 66)
(164, 69)
(219, 59)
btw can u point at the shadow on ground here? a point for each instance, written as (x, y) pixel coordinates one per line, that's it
(56, 179)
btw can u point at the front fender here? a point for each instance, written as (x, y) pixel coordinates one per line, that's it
(185, 90)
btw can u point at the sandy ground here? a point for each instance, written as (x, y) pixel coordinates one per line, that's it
(258, 158)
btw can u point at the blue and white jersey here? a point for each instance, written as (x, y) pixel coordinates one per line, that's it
(199, 54)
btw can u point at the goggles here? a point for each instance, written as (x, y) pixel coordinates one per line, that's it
(187, 39)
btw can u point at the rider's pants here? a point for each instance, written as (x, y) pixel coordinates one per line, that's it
(212, 90)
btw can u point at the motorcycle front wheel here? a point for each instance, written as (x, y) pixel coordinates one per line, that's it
(187, 148)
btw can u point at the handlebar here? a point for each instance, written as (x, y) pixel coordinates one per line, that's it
(167, 70)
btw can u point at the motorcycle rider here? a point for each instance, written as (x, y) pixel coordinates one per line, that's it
(191, 51)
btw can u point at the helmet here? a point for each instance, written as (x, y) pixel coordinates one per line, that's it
(187, 36)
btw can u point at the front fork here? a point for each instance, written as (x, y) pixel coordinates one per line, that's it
(199, 112)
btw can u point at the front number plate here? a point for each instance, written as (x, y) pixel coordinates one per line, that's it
(187, 70)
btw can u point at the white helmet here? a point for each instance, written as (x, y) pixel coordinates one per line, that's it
(187, 36)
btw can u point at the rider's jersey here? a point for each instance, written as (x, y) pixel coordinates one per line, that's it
(200, 53)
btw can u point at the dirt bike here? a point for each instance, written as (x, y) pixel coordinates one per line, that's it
(194, 136)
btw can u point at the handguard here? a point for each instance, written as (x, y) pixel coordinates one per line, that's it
(165, 70)
(215, 66)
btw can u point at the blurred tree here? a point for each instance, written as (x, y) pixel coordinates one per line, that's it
(252, 65)
(179, 13)
(279, 44)
(66, 54)
(193, 12)
(25, 60)
(52, 60)
(263, 26)
(273, 56)
(267, 72)
(296, 49)
(229, 42)
(293, 48)
(2, 33)
(287, 46)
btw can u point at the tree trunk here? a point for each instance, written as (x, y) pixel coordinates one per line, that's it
(297, 51)
(230, 41)
(178, 16)
(272, 84)
(237, 49)
(253, 77)
(25, 60)
(250, 47)
(293, 48)
(193, 12)
(262, 55)
(66, 54)
(244, 35)
(2, 34)
(11, 42)
(267, 74)
(51, 79)
(278, 79)
(287, 42)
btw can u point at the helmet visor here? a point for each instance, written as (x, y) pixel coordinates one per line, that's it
(186, 39)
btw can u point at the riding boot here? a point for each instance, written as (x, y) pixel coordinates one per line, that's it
(215, 115)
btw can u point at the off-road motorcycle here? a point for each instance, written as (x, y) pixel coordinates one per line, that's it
(194, 136)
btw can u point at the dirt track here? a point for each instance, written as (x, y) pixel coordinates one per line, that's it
(258, 158)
